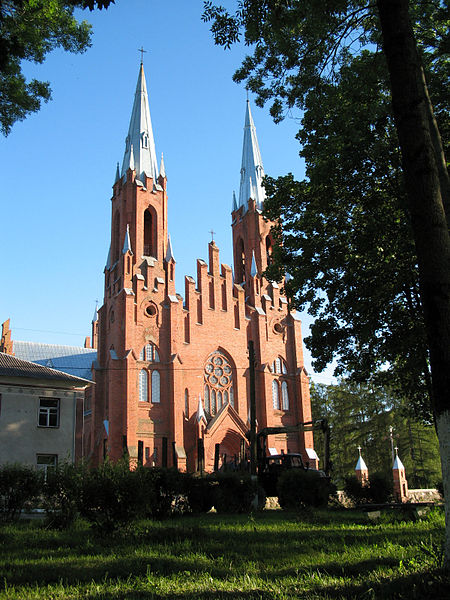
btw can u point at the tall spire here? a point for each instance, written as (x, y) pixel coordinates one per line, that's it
(139, 144)
(252, 170)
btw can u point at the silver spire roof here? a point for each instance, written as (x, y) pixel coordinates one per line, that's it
(127, 242)
(252, 170)
(140, 151)
(169, 253)
(253, 269)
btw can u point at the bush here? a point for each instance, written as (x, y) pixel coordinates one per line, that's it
(440, 488)
(161, 489)
(377, 491)
(19, 484)
(380, 488)
(199, 492)
(60, 495)
(299, 488)
(234, 493)
(111, 495)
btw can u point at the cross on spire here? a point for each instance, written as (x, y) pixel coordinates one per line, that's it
(359, 448)
(141, 50)
(212, 235)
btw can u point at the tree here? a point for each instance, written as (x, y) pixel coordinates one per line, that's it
(361, 415)
(29, 30)
(299, 45)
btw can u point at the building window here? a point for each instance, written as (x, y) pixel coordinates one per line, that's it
(186, 404)
(46, 463)
(143, 386)
(275, 395)
(284, 396)
(156, 384)
(218, 379)
(48, 412)
(149, 353)
(279, 366)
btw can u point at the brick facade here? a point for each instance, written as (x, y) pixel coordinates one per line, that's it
(159, 353)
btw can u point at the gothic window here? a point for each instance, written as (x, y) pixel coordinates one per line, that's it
(149, 234)
(279, 366)
(116, 237)
(240, 261)
(284, 396)
(218, 377)
(269, 250)
(156, 384)
(149, 353)
(275, 395)
(143, 385)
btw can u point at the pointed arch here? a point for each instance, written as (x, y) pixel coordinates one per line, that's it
(156, 387)
(275, 395)
(219, 372)
(240, 261)
(150, 228)
(143, 386)
(116, 237)
(284, 395)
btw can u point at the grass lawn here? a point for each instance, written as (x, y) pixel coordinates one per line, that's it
(272, 554)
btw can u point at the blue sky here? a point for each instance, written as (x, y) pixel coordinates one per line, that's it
(59, 164)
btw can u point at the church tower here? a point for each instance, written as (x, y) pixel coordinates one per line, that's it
(139, 274)
(172, 375)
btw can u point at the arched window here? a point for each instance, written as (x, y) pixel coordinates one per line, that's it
(116, 237)
(143, 386)
(149, 353)
(284, 396)
(186, 403)
(279, 366)
(149, 234)
(156, 384)
(240, 261)
(275, 395)
(269, 250)
(218, 378)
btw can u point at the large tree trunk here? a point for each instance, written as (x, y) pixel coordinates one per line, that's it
(425, 204)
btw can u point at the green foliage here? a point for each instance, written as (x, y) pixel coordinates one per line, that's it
(199, 492)
(111, 496)
(159, 488)
(346, 239)
(362, 415)
(378, 490)
(29, 30)
(19, 485)
(299, 489)
(234, 493)
(60, 494)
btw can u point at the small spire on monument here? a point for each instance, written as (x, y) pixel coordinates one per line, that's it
(200, 411)
(131, 163)
(117, 174)
(95, 317)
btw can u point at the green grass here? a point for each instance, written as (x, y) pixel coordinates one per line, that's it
(269, 555)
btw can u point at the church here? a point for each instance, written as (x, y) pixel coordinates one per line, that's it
(172, 372)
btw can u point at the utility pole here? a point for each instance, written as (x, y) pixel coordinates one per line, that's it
(251, 369)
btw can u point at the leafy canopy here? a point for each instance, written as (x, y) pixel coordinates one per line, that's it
(346, 239)
(29, 30)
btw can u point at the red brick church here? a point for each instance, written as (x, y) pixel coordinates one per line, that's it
(171, 376)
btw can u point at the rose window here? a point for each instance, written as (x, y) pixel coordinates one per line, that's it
(218, 379)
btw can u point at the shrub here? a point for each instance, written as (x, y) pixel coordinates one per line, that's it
(60, 495)
(19, 484)
(377, 491)
(380, 488)
(355, 491)
(111, 495)
(440, 488)
(299, 488)
(199, 492)
(161, 488)
(234, 493)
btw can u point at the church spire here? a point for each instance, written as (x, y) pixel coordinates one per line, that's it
(140, 151)
(252, 170)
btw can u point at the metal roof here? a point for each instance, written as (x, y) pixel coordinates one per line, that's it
(140, 153)
(72, 360)
(11, 366)
(252, 170)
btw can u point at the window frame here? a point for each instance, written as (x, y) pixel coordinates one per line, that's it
(48, 412)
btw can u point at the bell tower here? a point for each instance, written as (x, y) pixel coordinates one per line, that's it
(252, 240)
(132, 342)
